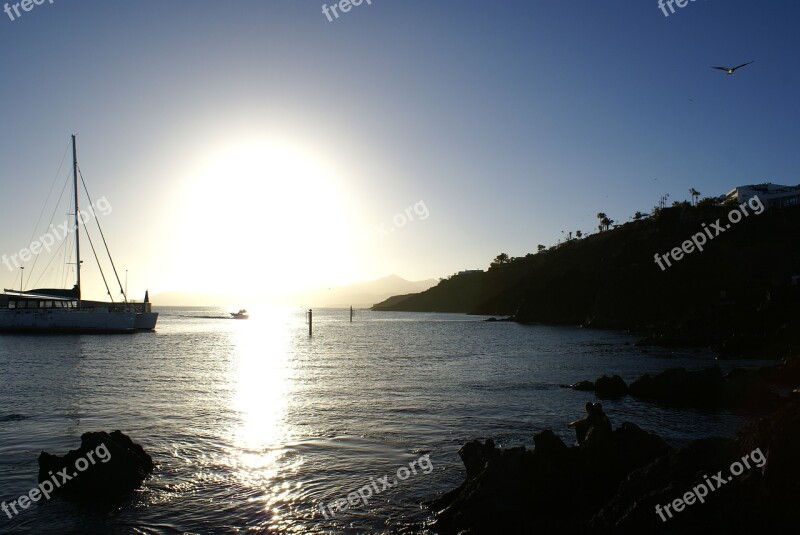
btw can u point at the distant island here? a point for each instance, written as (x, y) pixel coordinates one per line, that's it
(738, 295)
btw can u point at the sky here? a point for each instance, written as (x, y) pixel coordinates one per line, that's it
(257, 147)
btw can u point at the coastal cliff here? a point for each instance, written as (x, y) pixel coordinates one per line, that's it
(738, 295)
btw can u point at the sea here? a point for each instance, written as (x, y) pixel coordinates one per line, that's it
(258, 427)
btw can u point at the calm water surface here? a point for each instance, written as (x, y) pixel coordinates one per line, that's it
(254, 424)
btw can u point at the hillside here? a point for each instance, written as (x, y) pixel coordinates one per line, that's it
(738, 294)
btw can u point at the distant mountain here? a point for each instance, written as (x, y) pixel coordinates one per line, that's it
(190, 299)
(360, 295)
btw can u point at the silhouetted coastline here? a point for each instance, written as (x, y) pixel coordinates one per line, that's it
(739, 296)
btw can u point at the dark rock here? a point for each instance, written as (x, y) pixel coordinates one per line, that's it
(708, 388)
(114, 465)
(787, 373)
(740, 346)
(548, 444)
(491, 319)
(748, 389)
(553, 489)
(586, 386)
(564, 490)
(635, 447)
(762, 499)
(668, 478)
(610, 387)
(475, 454)
(680, 387)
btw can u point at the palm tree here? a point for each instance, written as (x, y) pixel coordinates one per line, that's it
(695, 194)
(605, 223)
(578, 234)
(602, 217)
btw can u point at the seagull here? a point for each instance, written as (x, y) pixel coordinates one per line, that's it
(730, 70)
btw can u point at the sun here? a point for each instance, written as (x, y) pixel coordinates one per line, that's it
(263, 216)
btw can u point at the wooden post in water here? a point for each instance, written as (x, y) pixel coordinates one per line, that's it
(310, 322)
(351, 314)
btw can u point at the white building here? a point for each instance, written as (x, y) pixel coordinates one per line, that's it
(771, 195)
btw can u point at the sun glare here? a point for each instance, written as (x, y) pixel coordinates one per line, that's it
(262, 216)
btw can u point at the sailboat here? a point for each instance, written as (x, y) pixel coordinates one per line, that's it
(55, 310)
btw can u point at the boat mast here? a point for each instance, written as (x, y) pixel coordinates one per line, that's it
(77, 227)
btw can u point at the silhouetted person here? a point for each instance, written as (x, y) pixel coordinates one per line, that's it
(582, 426)
(599, 429)
(595, 428)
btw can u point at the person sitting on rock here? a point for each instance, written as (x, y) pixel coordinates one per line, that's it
(599, 428)
(582, 426)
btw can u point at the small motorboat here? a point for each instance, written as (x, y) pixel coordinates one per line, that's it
(241, 315)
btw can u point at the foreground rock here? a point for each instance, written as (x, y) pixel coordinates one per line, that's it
(707, 388)
(761, 499)
(553, 488)
(105, 466)
(616, 488)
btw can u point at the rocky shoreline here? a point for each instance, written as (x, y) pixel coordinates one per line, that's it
(709, 388)
(616, 485)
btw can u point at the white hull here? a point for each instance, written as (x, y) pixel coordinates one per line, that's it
(61, 310)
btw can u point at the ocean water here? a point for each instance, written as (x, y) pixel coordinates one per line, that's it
(255, 425)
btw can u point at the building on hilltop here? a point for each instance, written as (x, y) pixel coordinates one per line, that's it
(771, 195)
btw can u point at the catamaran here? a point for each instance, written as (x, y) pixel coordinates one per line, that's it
(55, 310)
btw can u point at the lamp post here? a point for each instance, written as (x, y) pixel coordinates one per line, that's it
(21, 277)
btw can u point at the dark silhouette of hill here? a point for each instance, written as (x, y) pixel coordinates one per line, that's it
(738, 294)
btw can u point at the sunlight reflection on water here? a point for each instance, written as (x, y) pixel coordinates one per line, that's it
(254, 424)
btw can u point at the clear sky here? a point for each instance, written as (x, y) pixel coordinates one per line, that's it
(254, 144)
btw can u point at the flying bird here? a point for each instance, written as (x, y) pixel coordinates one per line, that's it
(731, 70)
